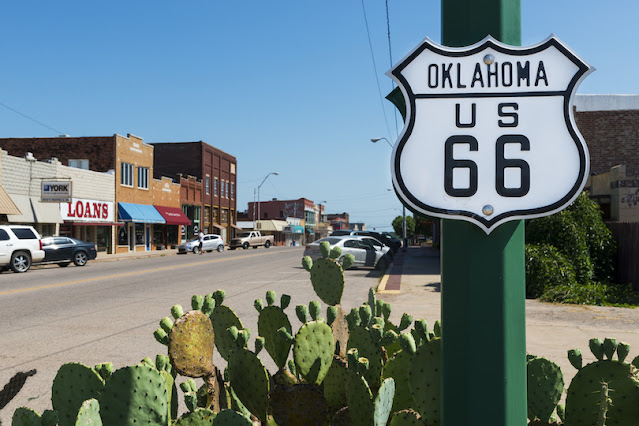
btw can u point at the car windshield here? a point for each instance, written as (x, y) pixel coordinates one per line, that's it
(194, 239)
(244, 234)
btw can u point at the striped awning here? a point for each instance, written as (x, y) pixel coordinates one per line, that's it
(7, 206)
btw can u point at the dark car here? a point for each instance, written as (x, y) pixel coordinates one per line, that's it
(64, 250)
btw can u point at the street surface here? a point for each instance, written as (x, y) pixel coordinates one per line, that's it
(108, 311)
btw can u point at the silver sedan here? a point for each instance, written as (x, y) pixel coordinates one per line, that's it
(211, 242)
(364, 253)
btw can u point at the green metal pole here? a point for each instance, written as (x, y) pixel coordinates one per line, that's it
(483, 277)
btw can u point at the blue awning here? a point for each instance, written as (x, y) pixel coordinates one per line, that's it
(139, 213)
(293, 229)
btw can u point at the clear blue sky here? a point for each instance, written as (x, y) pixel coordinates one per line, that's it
(286, 86)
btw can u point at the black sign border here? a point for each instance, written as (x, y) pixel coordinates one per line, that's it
(489, 42)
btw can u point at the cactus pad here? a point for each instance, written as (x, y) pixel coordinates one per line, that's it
(191, 345)
(339, 326)
(424, 381)
(327, 277)
(135, 395)
(333, 384)
(250, 381)
(582, 401)
(270, 320)
(360, 403)
(361, 339)
(231, 418)
(199, 417)
(406, 418)
(73, 384)
(397, 367)
(313, 351)
(300, 405)
(384, 402)
(545, 388)
(222, 318)
(89, 413)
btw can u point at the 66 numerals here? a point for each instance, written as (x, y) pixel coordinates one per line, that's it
(501, 164)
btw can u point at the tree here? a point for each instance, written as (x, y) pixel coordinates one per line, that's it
(410, 226)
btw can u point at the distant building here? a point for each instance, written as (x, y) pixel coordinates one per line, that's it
(338, 220)
(302, 208)
(216, 209)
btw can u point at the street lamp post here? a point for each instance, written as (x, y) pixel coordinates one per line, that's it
(258, 198)
(404, 239)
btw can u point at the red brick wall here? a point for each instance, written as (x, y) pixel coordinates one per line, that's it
(100, 151)
(612, 138)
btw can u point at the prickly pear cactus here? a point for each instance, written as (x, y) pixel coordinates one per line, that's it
(24, 416)
(424, 380)
(191, 345)
(73, 384)
(300, 405)
(545, 388)
(199, 417)
(361, 338)
(406, 418)
(231, 418)
(89, 413)
(250, 381)
(135, 395)
(333, 384)
(583, 398)
(398, 367)
(313, 351)
(270, 320)
(222, 318)
(327, 274)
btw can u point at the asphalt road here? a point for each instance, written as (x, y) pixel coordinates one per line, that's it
(108, 311)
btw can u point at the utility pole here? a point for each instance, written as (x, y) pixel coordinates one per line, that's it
(483, 278)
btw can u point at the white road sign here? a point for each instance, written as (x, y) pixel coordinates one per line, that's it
(489, 134)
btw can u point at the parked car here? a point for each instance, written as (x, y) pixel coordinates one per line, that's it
(64, 250)
(384, 239)
(364, 253)
(211, 242)
(251, 239)
(20, 245)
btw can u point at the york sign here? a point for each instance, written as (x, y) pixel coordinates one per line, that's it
(489, 134)
(55, 192)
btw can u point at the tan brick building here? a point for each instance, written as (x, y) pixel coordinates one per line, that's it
(128, 158)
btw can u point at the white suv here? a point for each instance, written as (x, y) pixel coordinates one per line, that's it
(20, 245)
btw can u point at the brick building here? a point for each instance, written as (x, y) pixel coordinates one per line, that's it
(610, 127)
(128, 158)
(216, 170)
(302, 208)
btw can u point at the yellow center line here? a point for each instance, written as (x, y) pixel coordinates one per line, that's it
(128, 274)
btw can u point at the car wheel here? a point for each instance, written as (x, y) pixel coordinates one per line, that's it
(80, 259)
(267, 244)
(245, 246)
(382, 264)
(20, 261)
(63, 265)
(220, 248)
(196, 250)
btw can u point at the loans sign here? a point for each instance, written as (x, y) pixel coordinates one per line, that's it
(490, 134)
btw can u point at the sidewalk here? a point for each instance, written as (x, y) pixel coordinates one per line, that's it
(412, 284)
(103, 257)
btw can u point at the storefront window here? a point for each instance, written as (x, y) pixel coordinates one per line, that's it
(123, 236)
(104, 238)
(225, 216)
(139, 234)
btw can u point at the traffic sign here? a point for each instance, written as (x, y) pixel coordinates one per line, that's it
(490, 134)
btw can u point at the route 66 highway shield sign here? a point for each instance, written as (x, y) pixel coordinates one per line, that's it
(489, 134)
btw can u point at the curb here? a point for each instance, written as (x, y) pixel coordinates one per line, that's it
(381, 288)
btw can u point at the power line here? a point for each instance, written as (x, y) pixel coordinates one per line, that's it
(390, 56)
(379, 89)
(29, 118)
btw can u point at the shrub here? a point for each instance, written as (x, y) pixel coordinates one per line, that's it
(546, 267)
(561, 232)
(595, 293)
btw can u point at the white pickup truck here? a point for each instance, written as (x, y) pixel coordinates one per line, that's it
(251, 239)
